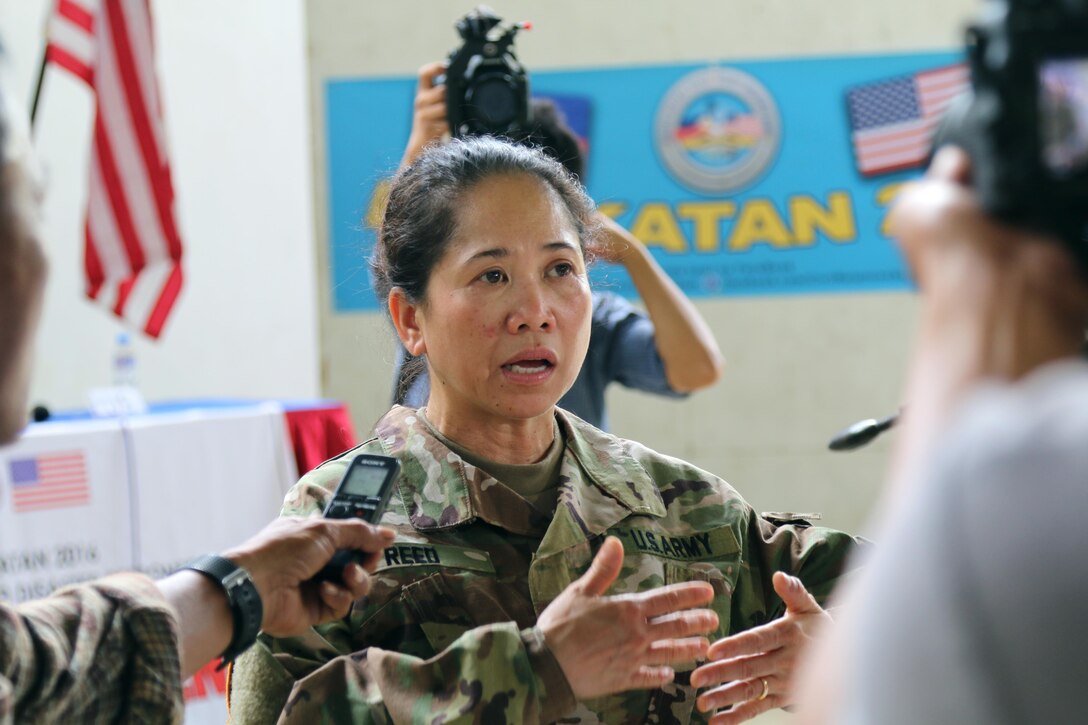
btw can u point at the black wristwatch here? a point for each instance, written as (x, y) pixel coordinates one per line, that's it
(245, 602)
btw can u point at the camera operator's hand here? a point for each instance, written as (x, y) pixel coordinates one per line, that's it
(997, 301)
(965, 260)
(429, 121)
(286, 554)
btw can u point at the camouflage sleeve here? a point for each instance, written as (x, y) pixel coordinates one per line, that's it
(493, 673)
(309, 496)
(816, 555)
(100, 652)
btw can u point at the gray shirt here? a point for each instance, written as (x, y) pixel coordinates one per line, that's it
(973, 606)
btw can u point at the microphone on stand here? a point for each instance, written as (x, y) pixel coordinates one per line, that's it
(861, 433)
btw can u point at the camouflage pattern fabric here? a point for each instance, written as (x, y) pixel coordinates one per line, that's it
(104, 652)
(447, 631)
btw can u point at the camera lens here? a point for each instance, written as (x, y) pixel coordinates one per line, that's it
(494, 101)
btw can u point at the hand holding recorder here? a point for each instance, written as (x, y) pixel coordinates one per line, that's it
(362, 494)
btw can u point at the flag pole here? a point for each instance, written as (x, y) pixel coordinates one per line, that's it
(41, 68)
(38, 87)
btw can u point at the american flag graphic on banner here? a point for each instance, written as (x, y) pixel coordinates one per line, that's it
(132, 251)
(49, 481)
(893, 120)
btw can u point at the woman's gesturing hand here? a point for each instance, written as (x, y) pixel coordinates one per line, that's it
(628, 641)
(752, 672)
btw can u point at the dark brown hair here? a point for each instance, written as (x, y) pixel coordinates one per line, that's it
(420, 215)
(548, 131)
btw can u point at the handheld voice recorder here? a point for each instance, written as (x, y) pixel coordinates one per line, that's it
(362, 493)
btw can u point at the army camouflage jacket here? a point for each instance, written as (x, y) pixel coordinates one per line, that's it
(103, 652)
(447, 633)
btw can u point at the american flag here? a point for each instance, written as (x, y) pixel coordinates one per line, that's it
(132, 251)
(893, 120)
(49, 481)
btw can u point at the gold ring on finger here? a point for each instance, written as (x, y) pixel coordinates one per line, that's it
(766, 690)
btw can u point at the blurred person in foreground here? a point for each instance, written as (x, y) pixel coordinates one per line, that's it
(972, 608)
(543, 570)
(669, 350)
(117, 649)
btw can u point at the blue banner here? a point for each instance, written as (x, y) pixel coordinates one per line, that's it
(760, 178)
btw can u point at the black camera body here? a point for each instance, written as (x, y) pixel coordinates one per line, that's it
(1025, 123)
(487, 89)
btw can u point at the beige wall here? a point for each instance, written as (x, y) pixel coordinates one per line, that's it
(798, 368)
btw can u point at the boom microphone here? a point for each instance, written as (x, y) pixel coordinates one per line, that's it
(861, 433)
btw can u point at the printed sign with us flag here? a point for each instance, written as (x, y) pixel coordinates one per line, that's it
(49, 481)
(65, 513)
(894, 119)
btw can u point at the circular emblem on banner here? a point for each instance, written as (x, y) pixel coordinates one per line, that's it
(717, 130)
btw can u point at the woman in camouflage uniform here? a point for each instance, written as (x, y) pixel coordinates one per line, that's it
(514, 518)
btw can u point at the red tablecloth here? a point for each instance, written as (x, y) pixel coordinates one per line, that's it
(319, 433)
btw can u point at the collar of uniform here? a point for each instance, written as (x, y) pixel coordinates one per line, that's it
(608, 463)
(425, 461)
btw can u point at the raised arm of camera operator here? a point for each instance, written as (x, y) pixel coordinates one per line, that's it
(429, 122)
(22, 267)
(687, 346)
(997, 302)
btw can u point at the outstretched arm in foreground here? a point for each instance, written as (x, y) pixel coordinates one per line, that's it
(281, 560)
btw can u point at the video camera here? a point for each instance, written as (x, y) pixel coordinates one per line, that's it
(487, 89)
(1025, 124)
